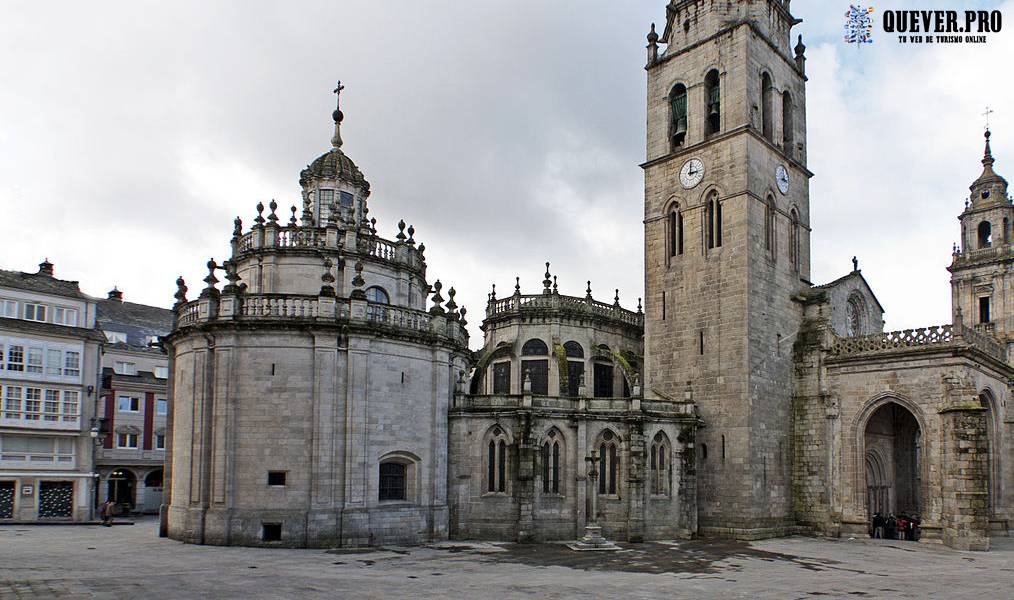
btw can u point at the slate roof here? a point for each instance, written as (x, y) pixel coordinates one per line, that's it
(45, 284)
(137, 321)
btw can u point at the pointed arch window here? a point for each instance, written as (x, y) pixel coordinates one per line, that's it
(675, 232)
(787, 123)
(713, 95)
(608, 464)
(713, 216)
(769, 226)
(767, 113)
(678, 126)
(660, 469)
(551, 466)
(794, 240)
(496, 462)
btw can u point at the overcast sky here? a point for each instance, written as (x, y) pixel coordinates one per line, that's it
(508, 133)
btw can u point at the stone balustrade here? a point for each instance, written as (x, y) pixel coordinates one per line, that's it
(520, 303)
(921, 337)
(317, 309)
(567, 403)
(299, 237)
(983, 254)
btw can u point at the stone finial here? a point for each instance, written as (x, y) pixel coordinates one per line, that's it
(327, 279)
(237, 228)
(211, 280)
(451, 305)
(556, 290)
(273, 206)
(336, 139)
(955, 250)
(115, 294)
(373, 226)
(232, 276)
(411, 234)
(640, 309)
(587, 292)
(855, 264)
(547, 282)
(46, 268)
(437, 299)
(526, 386)
(401, 231)
(492, 294)
(800, 50)
(461, 316)
(652, 45)
(181, 291)
(616, 300)
(422, 248)
(292, 219)
(358, 282)
(260, 214)
(307, 215)
(517, 286)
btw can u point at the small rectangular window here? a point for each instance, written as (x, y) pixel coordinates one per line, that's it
(276, 478)
(115, 337)
(701, 342)
(34, 364)
(51, 407)
(126, 440)
(54, 362)
(65, 316)
(12, 402)
(502, 378)
(15, 358)
(603, 374)
(128, 404)
(160, 441)
(125, 368)
(161, 406)
(72, 364)
(161, 372)
(35, 312)
(70, 405)
(9, 309)
(271, 532)
(33, 404)
(984, 309)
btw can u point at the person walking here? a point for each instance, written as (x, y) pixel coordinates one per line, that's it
(107, 513)
(878, 526)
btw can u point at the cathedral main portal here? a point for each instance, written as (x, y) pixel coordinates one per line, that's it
(892, 461)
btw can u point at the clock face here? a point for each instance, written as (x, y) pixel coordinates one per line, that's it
(692, 173)
(782, 178)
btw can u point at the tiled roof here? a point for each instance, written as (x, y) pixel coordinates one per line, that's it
(36, 282)
(137, 321)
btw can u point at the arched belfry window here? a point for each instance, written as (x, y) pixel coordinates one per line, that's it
(552, 463)
(713, 217)
(678, 105)
(496, 461)
(536, 370)
(608, 463)
(659, 466)
(675, 231)
(787, 123)
(985, 234)
(769, 225)
(794, 239)
(767, 113)
(713, 96)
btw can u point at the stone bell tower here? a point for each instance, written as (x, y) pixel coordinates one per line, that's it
(726, 213)
(981, 269)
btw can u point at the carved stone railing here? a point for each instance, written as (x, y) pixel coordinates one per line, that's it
(987, 328)
(300, 237)
(266, 306)
(922, 337)
(983, 254)
(382, 248)
(188, 314)
(567, 403)
(319, 309)
(519, 303)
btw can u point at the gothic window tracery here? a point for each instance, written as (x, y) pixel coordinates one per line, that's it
(608, 463)
(660, 469)
(496, 461)
(551, 463)
(675, 232)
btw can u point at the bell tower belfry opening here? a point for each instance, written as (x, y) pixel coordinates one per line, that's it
(727, 246)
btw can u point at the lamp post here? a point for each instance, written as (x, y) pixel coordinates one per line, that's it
(98, 435)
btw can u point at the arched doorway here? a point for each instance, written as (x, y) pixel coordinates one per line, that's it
(893, 462)
(152, 491)
(122, 485)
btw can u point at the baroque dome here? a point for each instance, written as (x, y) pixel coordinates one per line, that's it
(334, 164)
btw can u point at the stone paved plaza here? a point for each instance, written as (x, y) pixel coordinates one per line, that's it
(131, 562)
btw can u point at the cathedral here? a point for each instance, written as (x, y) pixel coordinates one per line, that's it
(329, 395)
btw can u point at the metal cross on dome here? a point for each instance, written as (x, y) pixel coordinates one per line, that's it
(986, 114)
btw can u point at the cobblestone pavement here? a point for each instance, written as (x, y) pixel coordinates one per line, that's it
(132, 562)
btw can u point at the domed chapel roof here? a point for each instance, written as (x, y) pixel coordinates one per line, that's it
(334, 164)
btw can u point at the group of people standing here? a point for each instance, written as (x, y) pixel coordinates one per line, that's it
(891, 527)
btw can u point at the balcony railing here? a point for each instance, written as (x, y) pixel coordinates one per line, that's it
(921, 337)
(299, 237)
(520, 303)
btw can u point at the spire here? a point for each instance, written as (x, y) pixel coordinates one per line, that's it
(336, 141)
(989, 186)
(987, 158)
